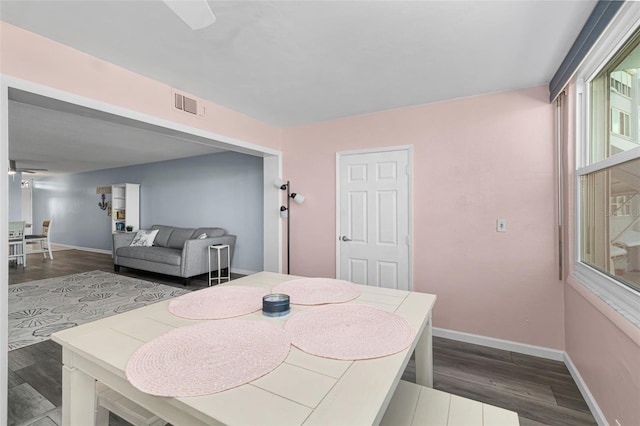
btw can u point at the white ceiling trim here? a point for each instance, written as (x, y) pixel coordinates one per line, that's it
(135, 121)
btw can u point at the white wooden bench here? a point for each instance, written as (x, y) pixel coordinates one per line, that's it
(111, 401)
(422, 406)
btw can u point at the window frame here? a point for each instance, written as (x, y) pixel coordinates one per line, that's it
(621, 298)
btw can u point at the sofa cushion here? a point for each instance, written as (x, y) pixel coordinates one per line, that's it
(211, 232)
(144, 238)
(152, 254)
(164, 232)
(179, 236)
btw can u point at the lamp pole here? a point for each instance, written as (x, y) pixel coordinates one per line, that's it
(288, 224)
(285, 213)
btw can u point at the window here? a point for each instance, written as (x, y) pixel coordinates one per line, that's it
(620, 122)
(621, 82)
(621, 205)
(610, 234)
(609, 197)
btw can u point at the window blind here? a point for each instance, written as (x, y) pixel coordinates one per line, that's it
(600, 17)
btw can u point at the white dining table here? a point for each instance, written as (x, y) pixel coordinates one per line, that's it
(303, 390)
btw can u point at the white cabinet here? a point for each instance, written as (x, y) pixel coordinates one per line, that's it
(125, 207)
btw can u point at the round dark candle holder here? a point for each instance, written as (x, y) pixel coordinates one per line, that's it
(275, 305)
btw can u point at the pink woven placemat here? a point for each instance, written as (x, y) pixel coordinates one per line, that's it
(218, 302)
(208, 357)
(349, 332)
(318, 291)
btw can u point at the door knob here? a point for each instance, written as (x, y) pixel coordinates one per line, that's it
(345, 238)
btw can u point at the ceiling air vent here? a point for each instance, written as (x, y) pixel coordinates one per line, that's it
(186, 104)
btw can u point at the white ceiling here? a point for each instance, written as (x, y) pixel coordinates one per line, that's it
(294, 62)
(66, 138)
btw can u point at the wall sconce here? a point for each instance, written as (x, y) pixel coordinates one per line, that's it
(103, 190)
(285, 210)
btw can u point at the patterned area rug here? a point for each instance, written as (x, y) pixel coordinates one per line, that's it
(39, 308)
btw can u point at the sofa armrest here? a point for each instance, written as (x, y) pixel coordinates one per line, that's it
(121, 239)
(195, 257)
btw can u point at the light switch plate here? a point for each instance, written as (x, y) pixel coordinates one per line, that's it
(501, 225)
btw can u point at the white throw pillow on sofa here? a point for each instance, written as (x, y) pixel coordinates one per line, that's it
(144, 238)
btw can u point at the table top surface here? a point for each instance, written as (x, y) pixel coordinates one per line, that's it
(304, 389)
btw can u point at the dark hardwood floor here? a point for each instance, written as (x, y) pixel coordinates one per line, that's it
(540, 390)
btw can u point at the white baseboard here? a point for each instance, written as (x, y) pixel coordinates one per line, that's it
(597, 413)
(243, 271)
(94, 250)
(532, 350)
(506, 345)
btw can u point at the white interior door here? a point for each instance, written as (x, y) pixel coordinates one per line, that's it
(373, 203)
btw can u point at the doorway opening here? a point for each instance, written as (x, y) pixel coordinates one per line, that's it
(272, 169)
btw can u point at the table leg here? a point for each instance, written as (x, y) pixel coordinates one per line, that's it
(209, 263)
(78, 398)
(228, 263)
(424, 357)
(102, 416)
(219, 267)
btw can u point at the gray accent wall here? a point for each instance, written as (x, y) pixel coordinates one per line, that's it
(217, 190)
(15, 197)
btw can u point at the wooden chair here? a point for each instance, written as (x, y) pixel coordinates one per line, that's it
(42, 239)
(17, 246)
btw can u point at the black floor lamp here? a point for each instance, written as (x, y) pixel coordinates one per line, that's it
(285, 212)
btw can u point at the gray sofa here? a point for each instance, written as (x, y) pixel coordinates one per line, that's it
(175, 251)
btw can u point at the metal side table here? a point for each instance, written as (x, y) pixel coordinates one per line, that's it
(219, 249)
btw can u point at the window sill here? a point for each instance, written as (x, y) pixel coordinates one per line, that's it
(627, 138)
(622, 299)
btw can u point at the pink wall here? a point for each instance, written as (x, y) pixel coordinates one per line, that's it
(475, 160)
(604, 346)
(606, 355)
(31, 57)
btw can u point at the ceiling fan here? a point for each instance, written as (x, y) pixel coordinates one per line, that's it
(13, 169)
(195, 13)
